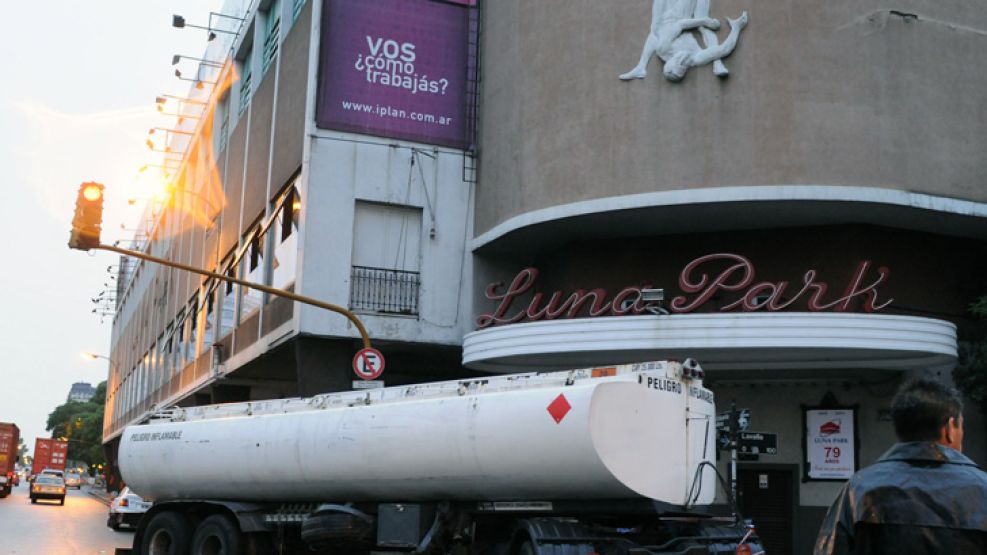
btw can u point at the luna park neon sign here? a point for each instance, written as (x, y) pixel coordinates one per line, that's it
(698, 286)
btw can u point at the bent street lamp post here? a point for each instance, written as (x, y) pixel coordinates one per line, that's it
(93, 356)
(266, 289)
(85, 235)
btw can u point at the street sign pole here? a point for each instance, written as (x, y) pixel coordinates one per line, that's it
(734, 425)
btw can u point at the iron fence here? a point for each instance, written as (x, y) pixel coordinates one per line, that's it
(382, 290)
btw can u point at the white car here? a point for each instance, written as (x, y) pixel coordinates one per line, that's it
(127, 509)
(73, 480)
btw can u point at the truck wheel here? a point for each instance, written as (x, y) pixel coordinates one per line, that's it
(527, 548)
(168, 533)
(216, 535)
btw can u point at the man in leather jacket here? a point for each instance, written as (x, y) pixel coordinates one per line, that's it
(923, 495)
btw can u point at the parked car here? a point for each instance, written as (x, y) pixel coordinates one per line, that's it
(46, 486)
(73, 480)
(127, 509)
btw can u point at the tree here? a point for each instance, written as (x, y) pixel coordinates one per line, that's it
(82, 425)
(971, 371)
(21, 450)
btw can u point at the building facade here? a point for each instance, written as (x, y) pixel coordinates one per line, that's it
(268, 187)
(815, 220)
(81, 392)
(811, 227)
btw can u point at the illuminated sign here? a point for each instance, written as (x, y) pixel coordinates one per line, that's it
(700, 281)
(396, 68)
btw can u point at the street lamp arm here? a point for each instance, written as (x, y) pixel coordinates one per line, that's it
(266, 289)
(94, 356)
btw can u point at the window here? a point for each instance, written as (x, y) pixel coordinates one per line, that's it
(168, 356)
(285, 262)
(153, 369)
(180, 342)
(139, 391)
(159, 361)
(193, 336)
(386, 243)
(272, 35)
(227, 318)
(386, 236)
(209, 337)
(221, 124)
(245, 81)
(253, 270)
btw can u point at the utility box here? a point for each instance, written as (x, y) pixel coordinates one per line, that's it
(403, 525)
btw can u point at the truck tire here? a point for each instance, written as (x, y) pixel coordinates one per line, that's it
(350, 529)
(527, 547)
(168, 533)
(216, 535)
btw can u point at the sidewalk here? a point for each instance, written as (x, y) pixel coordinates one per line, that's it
(100, 494)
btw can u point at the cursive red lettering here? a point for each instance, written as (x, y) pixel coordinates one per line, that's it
(749, 300)
(522, 282)
(706, 287)
(698, 286)
(853, 289)
(871, 304)
(580, 297)
(532, 312)
(777, 302)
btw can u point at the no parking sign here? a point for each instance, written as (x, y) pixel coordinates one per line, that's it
(368, 364)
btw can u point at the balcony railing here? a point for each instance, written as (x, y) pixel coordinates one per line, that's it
(382, 290)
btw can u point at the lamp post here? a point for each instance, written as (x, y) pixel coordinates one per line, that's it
(212, 209)
(93, 356)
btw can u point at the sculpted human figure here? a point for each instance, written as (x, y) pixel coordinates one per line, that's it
(671, 40)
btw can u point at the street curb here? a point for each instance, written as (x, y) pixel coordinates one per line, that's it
(101, 496)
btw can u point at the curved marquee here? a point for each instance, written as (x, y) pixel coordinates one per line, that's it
(720, 341)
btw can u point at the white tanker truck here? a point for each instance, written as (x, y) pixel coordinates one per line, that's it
(594, 461)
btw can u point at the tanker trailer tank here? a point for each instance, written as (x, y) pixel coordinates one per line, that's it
(637, 430)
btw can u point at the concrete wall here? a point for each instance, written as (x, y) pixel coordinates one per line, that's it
(831, 93)
(344, 171)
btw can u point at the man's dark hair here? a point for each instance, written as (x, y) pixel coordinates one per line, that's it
(922, 407)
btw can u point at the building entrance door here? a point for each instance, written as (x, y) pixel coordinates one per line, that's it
(767, 495)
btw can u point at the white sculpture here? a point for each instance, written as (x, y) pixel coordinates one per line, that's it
(672, 40)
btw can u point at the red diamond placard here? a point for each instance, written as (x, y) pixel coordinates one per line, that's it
(559, 408)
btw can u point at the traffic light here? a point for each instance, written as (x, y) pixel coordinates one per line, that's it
(88, 217)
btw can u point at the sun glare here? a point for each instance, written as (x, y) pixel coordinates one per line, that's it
(192, 187)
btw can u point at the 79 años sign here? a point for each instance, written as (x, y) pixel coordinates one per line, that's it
(735, 275)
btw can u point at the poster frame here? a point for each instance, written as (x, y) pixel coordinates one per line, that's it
(855, 409)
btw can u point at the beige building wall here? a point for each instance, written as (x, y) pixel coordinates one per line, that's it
(820, 93)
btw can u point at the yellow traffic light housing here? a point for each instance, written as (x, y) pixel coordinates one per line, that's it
(88, 217)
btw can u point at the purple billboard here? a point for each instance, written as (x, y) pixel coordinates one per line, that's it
(396, 68)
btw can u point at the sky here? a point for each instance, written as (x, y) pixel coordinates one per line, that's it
(77, 87)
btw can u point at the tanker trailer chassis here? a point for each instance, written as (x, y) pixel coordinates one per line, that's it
(603, 527)
(608, 460)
